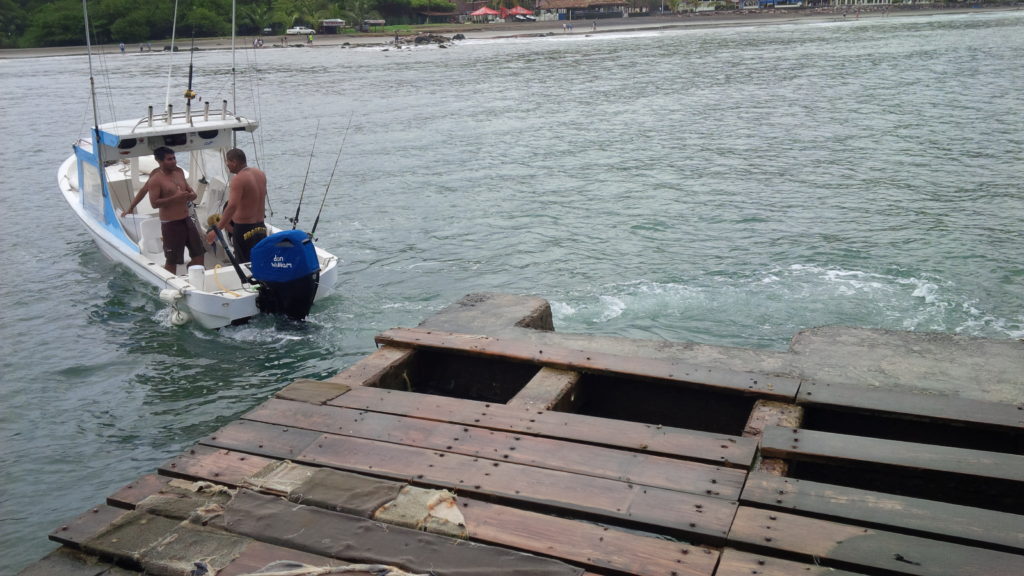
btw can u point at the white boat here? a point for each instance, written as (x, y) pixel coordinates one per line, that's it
(100, 181)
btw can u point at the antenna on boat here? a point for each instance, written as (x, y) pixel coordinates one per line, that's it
(95, 109)
(174, 34)
(331, 180)
(234, 97)
(92, 77)
(295, 220)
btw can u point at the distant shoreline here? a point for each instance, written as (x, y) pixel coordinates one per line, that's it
(474, 31)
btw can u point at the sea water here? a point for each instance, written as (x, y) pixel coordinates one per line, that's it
(728, 186)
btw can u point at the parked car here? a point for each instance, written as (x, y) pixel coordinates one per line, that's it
(300, 30)
(524, 18)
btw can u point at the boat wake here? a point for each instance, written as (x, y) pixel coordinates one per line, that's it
(731, 310)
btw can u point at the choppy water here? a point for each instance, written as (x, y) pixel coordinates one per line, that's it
(724, 186)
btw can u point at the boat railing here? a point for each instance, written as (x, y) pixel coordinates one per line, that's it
(169, 117)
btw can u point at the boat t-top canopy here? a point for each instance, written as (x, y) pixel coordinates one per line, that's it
(183, 131)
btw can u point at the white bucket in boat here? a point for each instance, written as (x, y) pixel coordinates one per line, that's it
(197, 277)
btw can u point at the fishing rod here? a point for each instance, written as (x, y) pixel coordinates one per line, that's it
(295, 221)
(189, 92)
(331, 180)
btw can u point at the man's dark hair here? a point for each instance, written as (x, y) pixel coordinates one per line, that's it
(161, 153)
(236, 154)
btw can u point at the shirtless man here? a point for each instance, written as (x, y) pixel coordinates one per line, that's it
(244, 213)
(170, 194)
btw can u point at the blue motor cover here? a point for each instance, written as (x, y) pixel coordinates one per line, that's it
(283, 257)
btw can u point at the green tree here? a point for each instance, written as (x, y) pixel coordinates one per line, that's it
(355, 11)
(395, 11)
(206, 18)
(122, 21)
(432, 5)
(56, 23)
(254, 17)
(292, 12)
(13, 19)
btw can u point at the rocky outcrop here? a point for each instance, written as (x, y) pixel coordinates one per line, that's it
(431, 39)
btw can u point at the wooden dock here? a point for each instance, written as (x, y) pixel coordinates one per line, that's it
(482, 442)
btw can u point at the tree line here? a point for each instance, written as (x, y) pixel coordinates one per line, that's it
(36, 23)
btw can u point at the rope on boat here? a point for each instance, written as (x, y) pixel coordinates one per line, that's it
(216, 280)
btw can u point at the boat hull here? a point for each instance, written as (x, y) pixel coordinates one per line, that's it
(222, 300)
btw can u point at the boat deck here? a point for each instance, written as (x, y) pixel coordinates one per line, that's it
(482, 442)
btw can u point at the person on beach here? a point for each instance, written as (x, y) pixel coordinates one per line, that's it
(243, 215)
(121, 46)
(171, 195)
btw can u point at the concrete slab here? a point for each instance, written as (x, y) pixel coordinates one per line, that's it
(944, 364)
(927, 363)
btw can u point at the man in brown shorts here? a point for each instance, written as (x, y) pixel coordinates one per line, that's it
(170, 194)
(244, 213)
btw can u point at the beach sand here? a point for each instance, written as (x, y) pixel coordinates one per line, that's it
(479, 31)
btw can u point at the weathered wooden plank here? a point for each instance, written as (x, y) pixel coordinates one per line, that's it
(802, 444)
(584, 543)
(738, 563)
(550, 389)
(257, 555)
(771, 413)
(859, 548)
(67, 562)
(963, 524)
(87, 525)
(218, 466)
(382, 368)
(720, 449)
(963, 411)
(157, 544)
(277, 521)
(127, 539)
(510, 447)
(253, 556)
(131, 494)
(285, 442)
(177, 548)
(768, 413)
(690, 514)
(312, 391)
(567, 358)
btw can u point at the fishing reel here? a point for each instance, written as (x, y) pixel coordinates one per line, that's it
(190, 94)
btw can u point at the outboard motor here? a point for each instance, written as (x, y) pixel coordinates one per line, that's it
(288, 272)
